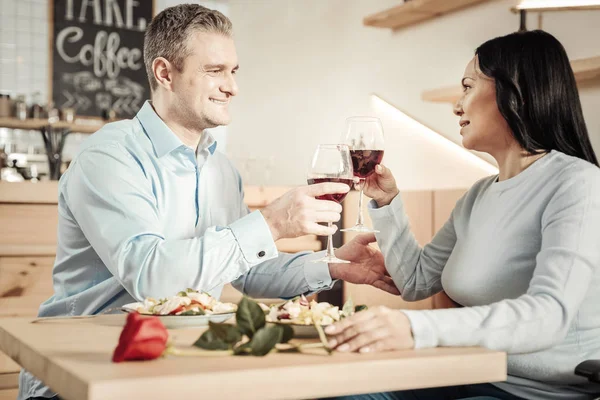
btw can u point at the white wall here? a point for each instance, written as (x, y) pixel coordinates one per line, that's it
(307, 65)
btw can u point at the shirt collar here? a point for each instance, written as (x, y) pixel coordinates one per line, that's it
(162, 137)
(207, 142)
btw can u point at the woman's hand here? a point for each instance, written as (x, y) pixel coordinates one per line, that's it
(373, 330)
(381, 186)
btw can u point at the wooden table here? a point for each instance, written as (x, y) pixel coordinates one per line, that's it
(73, 358)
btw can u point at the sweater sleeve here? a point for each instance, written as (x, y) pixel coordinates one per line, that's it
(568, 258)
(416, 271)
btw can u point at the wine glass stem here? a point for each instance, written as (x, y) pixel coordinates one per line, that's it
(330, 244)
(359, 220)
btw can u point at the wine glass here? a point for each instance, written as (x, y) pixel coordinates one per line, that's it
(331, 163)
(364, 136)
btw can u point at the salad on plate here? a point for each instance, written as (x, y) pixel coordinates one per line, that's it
(300, 311)
(185, 303)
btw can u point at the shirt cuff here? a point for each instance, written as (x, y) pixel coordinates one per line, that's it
(254, 238)
(317, 273)
(423, 333)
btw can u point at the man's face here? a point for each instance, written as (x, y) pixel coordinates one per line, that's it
(205, 85)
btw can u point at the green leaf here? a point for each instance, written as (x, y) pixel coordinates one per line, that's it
(348, 308)
(265, 339)
(190, 290)
(250, 317)
(361, 307)
(226, 332)
(182, 294)
(210, 341)
(288, 333)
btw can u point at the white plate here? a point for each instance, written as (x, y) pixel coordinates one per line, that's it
(184, 321)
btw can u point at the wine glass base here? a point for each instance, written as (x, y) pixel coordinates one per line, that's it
(360, 228)
(332, 260)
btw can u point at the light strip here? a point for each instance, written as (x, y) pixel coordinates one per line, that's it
(551, 4)
(419, 127)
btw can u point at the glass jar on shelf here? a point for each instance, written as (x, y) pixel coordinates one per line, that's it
(21, 108)
(5, 105)
(37, 111)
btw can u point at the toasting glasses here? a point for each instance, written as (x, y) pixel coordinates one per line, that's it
(364, 136)
(331, 163)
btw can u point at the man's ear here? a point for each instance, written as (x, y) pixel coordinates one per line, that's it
(163, 72)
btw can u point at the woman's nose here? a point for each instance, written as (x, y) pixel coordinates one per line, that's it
(458, 110)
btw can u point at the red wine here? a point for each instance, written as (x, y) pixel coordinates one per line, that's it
(337, 197)
(364, 161)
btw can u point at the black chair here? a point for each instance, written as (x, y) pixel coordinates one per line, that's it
(589, 369)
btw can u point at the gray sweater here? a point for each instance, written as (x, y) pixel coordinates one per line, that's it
(523, 258)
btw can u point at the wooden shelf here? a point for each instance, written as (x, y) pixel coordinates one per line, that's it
(416, 11)
(585, 69)
(38, 124)
(561, 8)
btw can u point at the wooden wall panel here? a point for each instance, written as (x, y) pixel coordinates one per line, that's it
(9, 373)
(25, 276)
(427, 212)
(8, 380)
(418, 206)
(31, 224)
(29, 193)
(443, 204)
(9, 394)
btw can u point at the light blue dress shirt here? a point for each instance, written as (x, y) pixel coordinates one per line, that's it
(142, 215)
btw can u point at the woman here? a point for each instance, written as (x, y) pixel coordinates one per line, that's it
(521, 250)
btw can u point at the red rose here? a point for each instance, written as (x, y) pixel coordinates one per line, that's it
(142, 338)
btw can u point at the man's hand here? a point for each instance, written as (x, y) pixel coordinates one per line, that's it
(367, 265)
(297, 212)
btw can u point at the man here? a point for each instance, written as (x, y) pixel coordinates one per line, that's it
(148, 208)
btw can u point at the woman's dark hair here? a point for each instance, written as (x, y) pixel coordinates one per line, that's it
(536, 92)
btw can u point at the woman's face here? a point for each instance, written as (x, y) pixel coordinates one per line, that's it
(482, 126)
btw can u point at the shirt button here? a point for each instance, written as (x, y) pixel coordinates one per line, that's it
(261, 254)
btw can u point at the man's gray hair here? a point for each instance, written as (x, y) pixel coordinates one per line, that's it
(167, 34)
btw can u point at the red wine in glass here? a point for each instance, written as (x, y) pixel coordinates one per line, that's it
(364, 136)
(331, 163)
(365, 161)
(337, 197)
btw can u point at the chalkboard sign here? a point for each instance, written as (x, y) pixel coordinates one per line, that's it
(97, 55)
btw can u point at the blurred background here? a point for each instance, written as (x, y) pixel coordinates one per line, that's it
(307, 65)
